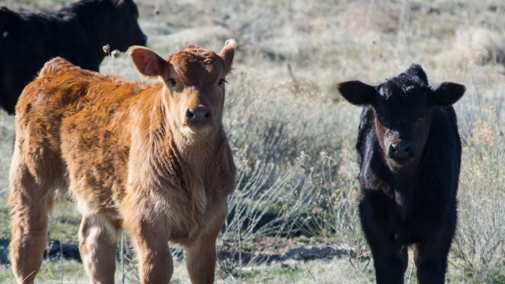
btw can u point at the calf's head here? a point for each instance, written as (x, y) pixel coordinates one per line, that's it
(402, 108)
(194, 84)
(124, 30)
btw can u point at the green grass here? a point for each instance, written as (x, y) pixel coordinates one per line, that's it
(5, 231)
(52, 272)
(64, 223)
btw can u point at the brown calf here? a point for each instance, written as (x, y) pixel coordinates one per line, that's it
(152, 158)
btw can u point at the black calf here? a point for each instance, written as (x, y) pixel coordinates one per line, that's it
(409, 154)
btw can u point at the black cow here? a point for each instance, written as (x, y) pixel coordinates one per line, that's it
(409, 154)
(77, 32)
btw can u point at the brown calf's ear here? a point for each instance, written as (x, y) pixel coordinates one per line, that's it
(147, 62)
(227, 54)
(446, 94)
(358, 93)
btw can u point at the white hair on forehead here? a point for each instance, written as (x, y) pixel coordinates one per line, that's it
(408, 88)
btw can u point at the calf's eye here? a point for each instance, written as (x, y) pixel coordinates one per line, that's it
(421, 117)
(221, 82)
(172, 82)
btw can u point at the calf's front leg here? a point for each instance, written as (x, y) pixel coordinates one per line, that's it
(390, 258)
(201, 258)
(151, 248)
(390, 264)
(431, 264)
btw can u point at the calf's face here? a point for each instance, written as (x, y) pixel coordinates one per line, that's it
(402, 120)
(402, 110)
(194, 84)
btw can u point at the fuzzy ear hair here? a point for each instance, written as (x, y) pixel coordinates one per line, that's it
(227, 54)
(147, 62)
(446, 94)
(358, 93)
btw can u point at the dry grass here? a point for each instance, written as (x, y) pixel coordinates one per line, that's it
(293, 138)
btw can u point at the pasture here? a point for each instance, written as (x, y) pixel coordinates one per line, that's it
(293, 137)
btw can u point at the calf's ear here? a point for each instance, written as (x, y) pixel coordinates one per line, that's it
(147, 62)
(227, 54)
(358, 93)
(446, 94)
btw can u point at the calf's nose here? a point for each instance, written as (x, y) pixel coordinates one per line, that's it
(400, 150)
(198, 115)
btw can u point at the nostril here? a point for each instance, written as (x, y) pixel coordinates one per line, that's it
(393, 148)
(198, 115)
(190, 114)
(407, 149)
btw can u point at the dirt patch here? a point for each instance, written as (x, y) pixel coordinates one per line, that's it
(272, 249)
(263, 250)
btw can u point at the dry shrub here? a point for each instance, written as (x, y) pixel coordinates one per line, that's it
(478, 46)
(365, 16)
(273, 125)
(479, 243)
(189, 36)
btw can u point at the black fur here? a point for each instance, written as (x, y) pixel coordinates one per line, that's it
(413, 203)
(77, 33)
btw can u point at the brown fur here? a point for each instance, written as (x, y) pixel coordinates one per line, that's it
(131, 157)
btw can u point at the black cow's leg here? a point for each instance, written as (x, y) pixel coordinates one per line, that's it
(430, 254)
(390, 258)
(404, 255)
(390, 263)
(431, 263)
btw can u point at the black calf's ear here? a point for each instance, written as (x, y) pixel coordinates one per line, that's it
(358, 93)
(446, 94)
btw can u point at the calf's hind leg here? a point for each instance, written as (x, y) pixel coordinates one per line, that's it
(97, 244)
(31, 203)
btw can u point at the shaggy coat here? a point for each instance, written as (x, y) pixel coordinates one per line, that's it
(152, 158)
(77, 33)
(409, 154)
